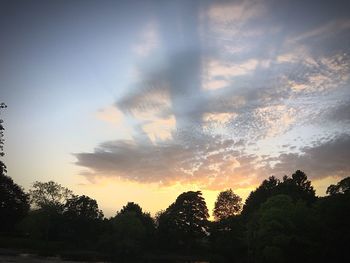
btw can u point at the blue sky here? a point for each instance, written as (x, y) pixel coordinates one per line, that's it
(185, 94)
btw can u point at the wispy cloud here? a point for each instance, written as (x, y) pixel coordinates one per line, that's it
(148, 40)
(220, 73)
(331, 28)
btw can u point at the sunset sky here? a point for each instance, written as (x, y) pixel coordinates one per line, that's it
(142, 100)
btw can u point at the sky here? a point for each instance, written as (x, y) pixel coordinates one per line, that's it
(143, 100)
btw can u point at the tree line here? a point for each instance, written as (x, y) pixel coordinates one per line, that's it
(280, 221)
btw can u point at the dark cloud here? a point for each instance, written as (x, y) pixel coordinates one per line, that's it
(340, 113)
(164, 163)
(330, 158)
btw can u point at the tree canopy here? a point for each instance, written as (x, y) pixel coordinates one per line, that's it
(14, 202)
(2, 106)
(227, 204)
(186, 220)
(49, 194)
(341, 187)
(297, 187)
(83, 207)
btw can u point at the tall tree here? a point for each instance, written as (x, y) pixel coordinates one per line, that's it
(260, 195)
(130, 233)
(2, 106)
(14, 202)
(131, 207)
(297, 187)
(82, 221)
(227, 204)
(49, 194)
(49, 199)
(186, 220)
(83, 207)
(280, 231)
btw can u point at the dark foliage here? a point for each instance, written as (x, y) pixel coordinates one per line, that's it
(341, 187)
(49, 195)
(260, 195)
(298, 187)
(82, 221)
(14, 203)
(333, 232)
(184, 223)
(228, 239)
(128, 235)
(227, 204)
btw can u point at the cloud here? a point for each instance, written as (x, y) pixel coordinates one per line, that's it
(195, 135)
(212, 163)
(330, 28)
(276, 119)
(160, 129)
(205, 161)
(148, 40)
(231, 12)
(220, 73)
(324, 159)
(228, 18)
(316, 75)
(221, 118)
(339, 113)
(111, 115)
(117, 120)
(230, 81)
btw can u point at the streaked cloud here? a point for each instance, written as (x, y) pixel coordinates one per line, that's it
(330, 28)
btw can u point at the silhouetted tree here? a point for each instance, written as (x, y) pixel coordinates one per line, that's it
(47, 221)
(14, 202)
(227, 204)
(49, 194)
(131, 207)
(129, 235)
(333, 237)
(82, 221)
(279, 231)
(83, 207)
(184, 222)
(341, 187)
(228, 239)
(260, 195)
(2, 106)
(145, 218)
(297, 187)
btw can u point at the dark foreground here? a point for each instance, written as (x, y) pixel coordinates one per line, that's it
(281, 221)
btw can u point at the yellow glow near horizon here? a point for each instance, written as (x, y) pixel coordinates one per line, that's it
(112, 194)
(322, 184)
